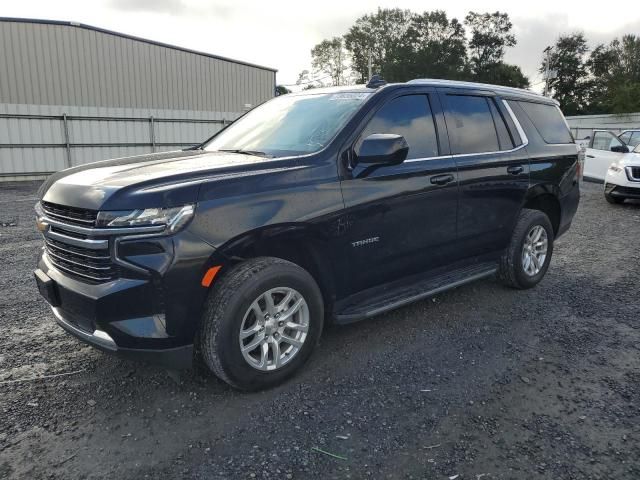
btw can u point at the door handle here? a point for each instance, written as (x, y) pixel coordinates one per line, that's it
(442, 179)
(515, 169)
(591, 156)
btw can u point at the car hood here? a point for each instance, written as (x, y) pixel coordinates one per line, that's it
(145, 181)
(630, 160)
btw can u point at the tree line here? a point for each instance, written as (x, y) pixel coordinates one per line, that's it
(401, 45)
(605, 79)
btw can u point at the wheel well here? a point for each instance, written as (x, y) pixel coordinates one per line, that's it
(549, 205)
(297, 250)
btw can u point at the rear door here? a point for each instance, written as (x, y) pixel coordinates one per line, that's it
(599, 154)
(493, 168)
(401, 218)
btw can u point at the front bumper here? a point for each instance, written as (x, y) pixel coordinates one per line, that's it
(622, 184)
(150, 311)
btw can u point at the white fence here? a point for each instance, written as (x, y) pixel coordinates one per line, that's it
(36, 140)
(583, 125)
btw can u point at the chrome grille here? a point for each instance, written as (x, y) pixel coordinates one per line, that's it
(88, 264)
(634, 173)
(71, 215)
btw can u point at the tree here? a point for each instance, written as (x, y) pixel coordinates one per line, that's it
(383, 35)
(329, 57)
(438, 46)
(281, 90)
(490, 36)
(571, 84)
(308, 80)
(615, 76)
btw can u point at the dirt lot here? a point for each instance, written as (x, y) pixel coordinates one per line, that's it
(482, 382)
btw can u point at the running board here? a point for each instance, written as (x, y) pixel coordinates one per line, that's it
(377, 300)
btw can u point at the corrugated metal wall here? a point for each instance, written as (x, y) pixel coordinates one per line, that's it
(56, 68)
(583, 125)
(33, 139)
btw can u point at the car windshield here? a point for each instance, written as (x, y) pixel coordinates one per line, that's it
(289, 125)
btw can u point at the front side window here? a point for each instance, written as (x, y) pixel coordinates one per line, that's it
(290, 124)
(470, 125)
(634, 141)
(625, 137)
(605, 141)
(411, 117)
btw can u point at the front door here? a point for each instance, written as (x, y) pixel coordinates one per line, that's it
(401, 218)
(599, 155)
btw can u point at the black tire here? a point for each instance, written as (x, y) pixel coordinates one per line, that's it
(613, 200)
(511, 271)
(229, 300)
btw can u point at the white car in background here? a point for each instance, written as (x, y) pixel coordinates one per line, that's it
(622, 180)
(603, 149)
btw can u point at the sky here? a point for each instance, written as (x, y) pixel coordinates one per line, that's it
(280, 34)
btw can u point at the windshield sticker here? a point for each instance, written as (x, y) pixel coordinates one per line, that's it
(349, 96)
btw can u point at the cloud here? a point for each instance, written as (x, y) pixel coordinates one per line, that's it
(174, 7)
(150, 6)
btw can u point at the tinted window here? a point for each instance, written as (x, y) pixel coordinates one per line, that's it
(290, 124)
(635, 139)
(409, 116)
(548, 122)
(470, 124)
(503, 134)
(605, 140)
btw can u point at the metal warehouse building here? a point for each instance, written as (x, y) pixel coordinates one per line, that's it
(72, 94)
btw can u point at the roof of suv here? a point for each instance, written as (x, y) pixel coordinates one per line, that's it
(499, 89)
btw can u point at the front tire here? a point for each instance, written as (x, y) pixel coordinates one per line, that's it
(262, 320)
(526, 260)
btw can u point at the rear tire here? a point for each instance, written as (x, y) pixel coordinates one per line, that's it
(532, 237)
(263, 301)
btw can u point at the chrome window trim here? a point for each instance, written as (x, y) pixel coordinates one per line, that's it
(523, 138)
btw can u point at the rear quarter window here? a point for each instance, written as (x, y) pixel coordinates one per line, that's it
(548, 121)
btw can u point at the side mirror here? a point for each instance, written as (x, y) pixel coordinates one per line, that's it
(620, 149)
(383, 148)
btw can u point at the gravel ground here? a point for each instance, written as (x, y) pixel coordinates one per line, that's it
(482, 382)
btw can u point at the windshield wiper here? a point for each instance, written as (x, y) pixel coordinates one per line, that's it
(255, 153)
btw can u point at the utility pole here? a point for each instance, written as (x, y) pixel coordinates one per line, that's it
(370, 68)
(546, 71)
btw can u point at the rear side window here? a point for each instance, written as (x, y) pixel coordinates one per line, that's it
(470, 124)
(548, 122)
(411, 117)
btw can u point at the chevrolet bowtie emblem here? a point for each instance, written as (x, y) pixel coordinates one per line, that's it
(41, 224)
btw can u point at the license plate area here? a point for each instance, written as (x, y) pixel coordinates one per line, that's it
(47, 288)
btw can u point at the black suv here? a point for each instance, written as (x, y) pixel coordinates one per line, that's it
(327, 205)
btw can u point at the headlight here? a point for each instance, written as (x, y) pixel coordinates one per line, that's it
(173, 218)
(615, 168)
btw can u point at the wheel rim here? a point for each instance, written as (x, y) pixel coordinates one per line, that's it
(534, 250)
(274, 328)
